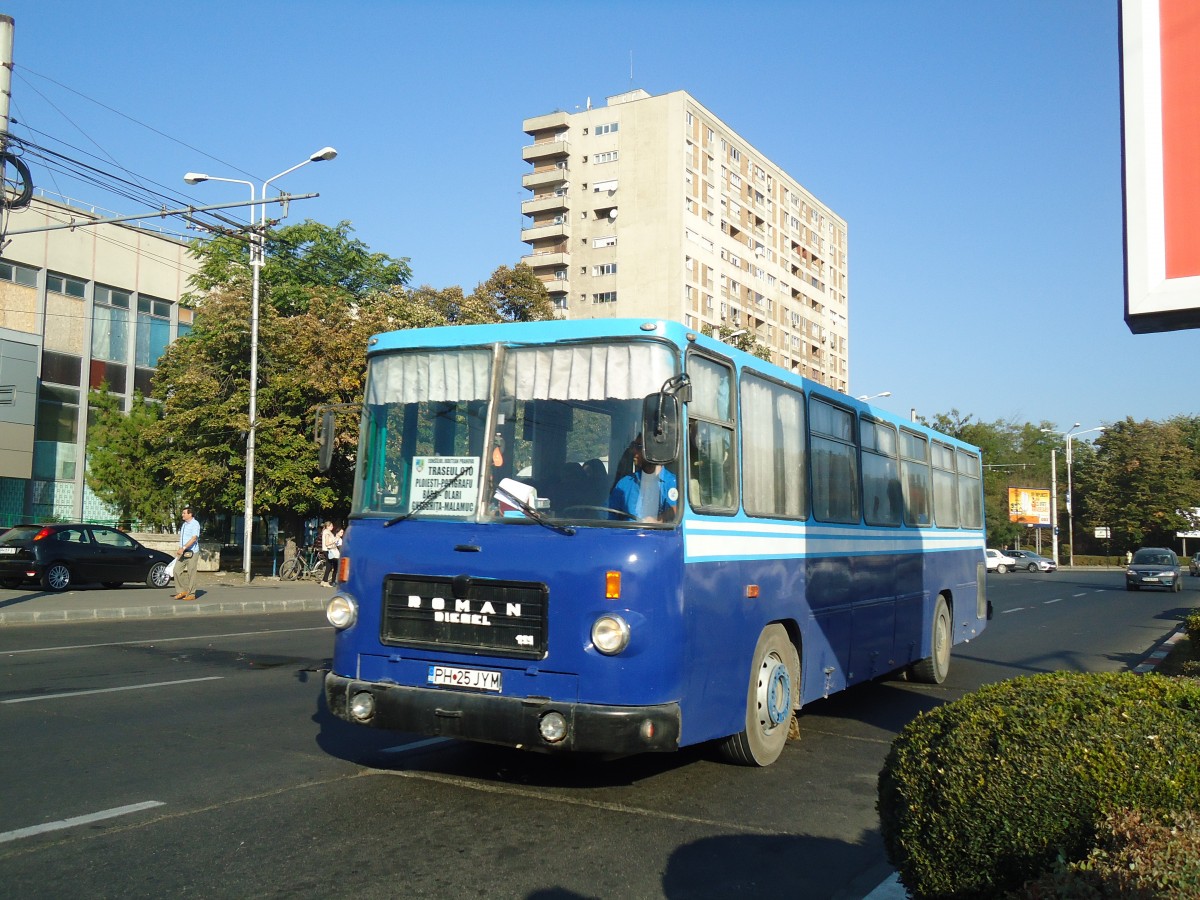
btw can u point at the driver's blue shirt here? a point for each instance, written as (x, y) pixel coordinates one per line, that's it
(626, 494)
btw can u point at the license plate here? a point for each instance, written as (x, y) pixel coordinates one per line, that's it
(473, 679)
(9, 551)
(1149, 578)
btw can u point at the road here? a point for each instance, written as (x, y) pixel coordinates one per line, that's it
(194, 757)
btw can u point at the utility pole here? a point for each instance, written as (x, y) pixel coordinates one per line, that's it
(7, 26)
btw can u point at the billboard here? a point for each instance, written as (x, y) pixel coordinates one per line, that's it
(1029, 507)
(1160, 131)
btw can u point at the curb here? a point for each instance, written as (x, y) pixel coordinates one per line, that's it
(165, 611)
(1161, 652)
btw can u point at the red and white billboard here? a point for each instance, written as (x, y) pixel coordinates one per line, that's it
(1160, 116)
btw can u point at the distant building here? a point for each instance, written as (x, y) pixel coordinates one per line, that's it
(78, 307)
(653, 207)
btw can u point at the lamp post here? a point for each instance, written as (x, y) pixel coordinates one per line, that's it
(258, 229)
(1070, 434)
(866, 397)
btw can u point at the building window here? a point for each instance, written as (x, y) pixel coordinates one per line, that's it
(63, 284)
(60, 368)
(609, 156)
(605, 269)
(18, 273)
(607, 241)
(110, 329)
(605, 297)
(153, 330)
(609, 128)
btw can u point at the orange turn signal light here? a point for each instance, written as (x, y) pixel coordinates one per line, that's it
(751, 591)
(612, 585)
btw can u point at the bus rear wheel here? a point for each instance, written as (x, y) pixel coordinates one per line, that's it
(770, 701)
(934, 668)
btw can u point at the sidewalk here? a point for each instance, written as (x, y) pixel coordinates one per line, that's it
(217, 593)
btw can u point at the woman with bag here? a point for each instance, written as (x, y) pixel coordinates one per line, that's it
(329, 546)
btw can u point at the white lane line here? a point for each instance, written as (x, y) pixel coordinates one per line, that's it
(1055, 600)
(1084, 594)
(198, 637)
(132, 687)
(416, 745)
(1005, 612)
(78, 820)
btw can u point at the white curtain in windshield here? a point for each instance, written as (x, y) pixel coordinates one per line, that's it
(439, 375)
(587, 372)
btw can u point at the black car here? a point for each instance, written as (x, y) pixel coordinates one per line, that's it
(1152, 567)
(64, 554)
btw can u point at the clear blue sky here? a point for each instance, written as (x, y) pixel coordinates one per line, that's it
(973, 148)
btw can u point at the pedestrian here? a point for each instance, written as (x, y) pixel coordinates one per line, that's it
(1128, 557)
(188, 555)
(329, 546)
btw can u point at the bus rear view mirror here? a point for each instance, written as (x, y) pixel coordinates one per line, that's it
(660, 428)
(325, 438)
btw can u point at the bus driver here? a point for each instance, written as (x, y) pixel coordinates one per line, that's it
(647, 494)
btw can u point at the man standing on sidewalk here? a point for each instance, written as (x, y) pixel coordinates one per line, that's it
(189, 543)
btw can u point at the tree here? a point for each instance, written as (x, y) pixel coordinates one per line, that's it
(125, 466)
(298, 258)
(1140, 482)
(740, 338)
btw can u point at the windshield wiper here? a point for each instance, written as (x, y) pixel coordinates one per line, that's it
(428, 501)
(533, 513)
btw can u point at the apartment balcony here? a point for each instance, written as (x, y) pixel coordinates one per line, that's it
(550, 122)
(549, 260)
(553, 203)
(557, 287)
(555, 149)
(543, 230)
(547, 178)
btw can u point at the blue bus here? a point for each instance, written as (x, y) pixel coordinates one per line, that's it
(620, 536)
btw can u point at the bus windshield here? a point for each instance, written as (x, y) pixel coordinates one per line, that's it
(507, 433)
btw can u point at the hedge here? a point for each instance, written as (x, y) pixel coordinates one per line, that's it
(982, 794)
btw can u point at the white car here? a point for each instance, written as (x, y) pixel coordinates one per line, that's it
(998, 562)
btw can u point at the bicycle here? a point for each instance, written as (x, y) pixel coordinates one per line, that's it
(309, 562)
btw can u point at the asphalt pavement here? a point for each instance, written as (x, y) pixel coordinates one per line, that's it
(217, 593)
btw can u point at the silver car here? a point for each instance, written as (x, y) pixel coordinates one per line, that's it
(1032, 562)
(1156, 567)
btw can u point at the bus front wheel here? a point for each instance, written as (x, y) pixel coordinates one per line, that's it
(770, 701)
(934, 668)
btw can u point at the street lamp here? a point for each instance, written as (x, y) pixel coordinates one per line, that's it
(258, 229)
(1070, 434)
(866, 397)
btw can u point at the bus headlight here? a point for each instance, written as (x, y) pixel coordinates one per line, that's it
(610, 634)
(341, 611)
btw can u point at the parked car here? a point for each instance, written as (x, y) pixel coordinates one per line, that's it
(1194, 565)
(61, 555)
(1154, 567)
(1032, 562)
(999, 562)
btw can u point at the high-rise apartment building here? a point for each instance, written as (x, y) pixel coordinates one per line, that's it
(652, 206)
(80, 307)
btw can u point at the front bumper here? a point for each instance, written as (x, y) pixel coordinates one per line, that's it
(509, 721)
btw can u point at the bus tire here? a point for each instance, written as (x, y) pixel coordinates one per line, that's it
(770, 701)
(934, 668)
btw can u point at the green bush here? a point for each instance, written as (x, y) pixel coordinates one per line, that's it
(1137, 859)
(978, 796)
(1192, 625)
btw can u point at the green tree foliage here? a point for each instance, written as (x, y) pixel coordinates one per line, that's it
(297, 259)
(323, 294)
(1140, 481)
(745, 341)
(125, 464)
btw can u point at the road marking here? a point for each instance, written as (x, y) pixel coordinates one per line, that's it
(198, 637)
(1055, 600)
(132, 687)
(78, 820)
(1084, 594)
(416, 745)
(1005, 612)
